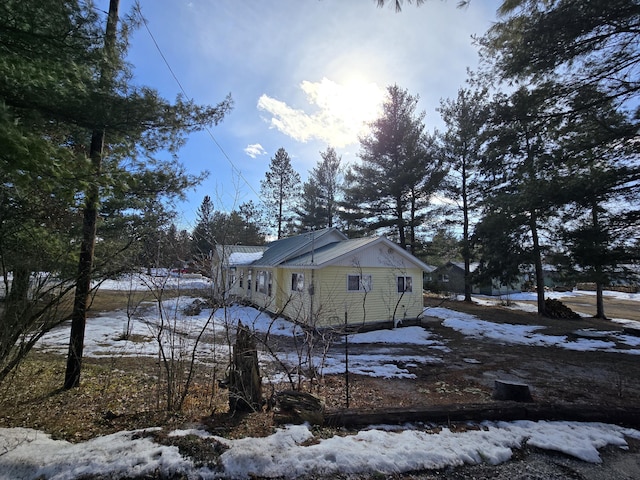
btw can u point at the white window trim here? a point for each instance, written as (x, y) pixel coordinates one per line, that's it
(262, 282)
(363, 284)
(299, 282)
(404, 283)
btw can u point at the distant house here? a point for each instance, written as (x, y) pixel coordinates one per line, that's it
(450, 278)
(322, 278)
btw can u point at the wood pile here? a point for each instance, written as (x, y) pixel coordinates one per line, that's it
(557, 309)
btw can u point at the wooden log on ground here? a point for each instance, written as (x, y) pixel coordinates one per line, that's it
(497, 411)
(292, 406)
(511, 391)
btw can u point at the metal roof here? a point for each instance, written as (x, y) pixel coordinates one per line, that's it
(328, 253)
(334, 251)
(315, 249)
(286, 248)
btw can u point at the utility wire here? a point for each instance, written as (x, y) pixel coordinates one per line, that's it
(138, 9)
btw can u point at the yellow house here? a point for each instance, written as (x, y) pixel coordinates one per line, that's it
(323, 279)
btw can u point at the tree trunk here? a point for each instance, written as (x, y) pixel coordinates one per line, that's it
(14, 313)
(537, 258)
(402, 239)
(600, 302)
(599, 276)
(412, 227)
(90, 218)
(85, 267)
(467, 280)
(466, 251)
(292, 406)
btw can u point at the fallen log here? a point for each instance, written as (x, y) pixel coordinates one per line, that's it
(496, 411)
(292, 406)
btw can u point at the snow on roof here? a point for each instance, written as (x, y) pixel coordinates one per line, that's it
(244, 258)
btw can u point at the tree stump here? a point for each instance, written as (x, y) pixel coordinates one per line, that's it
(245, 384)
(517, 392)
(292, 406)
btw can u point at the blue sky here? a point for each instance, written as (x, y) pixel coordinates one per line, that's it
(303, 75)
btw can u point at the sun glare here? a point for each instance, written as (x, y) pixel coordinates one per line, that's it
(342, 111)
(352, 104)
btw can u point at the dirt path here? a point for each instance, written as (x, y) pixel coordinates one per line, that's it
(613, 307)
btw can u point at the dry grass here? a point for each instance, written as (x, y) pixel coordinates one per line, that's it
(115, 394)
(124, 393)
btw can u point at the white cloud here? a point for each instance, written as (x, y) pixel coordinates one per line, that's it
(254, 150)
(341, 116)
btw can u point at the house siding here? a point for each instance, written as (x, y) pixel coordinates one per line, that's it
(325, 260)
(333, 298)
(262, 294)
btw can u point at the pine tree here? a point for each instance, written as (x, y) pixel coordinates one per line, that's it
(251, 229)
(520, 194)
(318, 206)
(390, 189)
(462, 143)
(280, 190)
(601, 169)
(203, 237)
(310, 212)
(327, 174)
(590, 43)
(66, 92)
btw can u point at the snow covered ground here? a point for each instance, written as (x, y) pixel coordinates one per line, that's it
(293, 450)
(106, 335)
(516, 301)
(588, 339)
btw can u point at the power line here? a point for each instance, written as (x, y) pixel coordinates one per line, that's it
(138, 9)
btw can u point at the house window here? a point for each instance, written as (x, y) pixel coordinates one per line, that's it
(358, 283)
(405, 284)
(241, 280)
(297, 282)
(444, 278)
(262, 283)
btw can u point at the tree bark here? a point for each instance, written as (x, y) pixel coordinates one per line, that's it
(12, 318)
(402, 239)
(245, 384)
(599, 276)
(89, 223)
(537, 258)
(600, 301)
(466, 250)
(85, 267)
